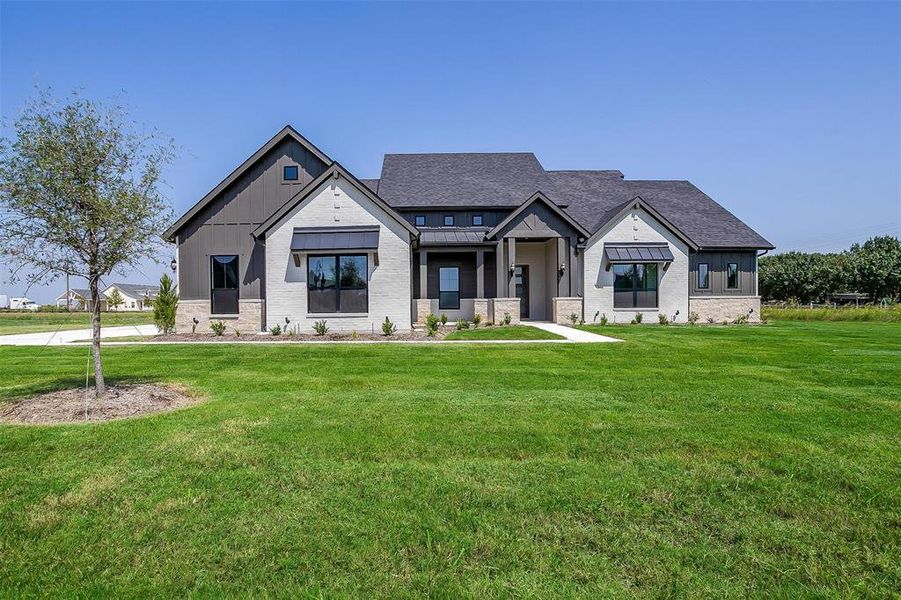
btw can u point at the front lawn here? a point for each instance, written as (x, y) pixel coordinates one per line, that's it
(512, 332)
(690, 461)
(33, 322)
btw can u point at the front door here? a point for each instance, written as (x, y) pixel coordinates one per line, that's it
(521, 279)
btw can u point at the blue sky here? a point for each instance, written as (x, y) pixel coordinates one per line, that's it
(788, 114)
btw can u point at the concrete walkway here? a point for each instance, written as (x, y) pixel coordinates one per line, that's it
(50, 338)
(571, 333)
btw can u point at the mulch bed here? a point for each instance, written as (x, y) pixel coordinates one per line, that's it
(418, 335)
(120, 402)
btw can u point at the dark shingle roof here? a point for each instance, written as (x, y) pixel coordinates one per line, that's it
(372, 184)
(593, 199)
(504, 179)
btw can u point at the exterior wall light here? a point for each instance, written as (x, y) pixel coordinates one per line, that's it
(173, 265)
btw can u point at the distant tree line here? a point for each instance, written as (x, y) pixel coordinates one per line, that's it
(873, 268)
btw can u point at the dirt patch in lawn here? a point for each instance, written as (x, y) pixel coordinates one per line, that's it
(120, 402)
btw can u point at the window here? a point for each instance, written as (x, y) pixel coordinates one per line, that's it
(703, 276)
(449, 288)
(732, 276)
(476, 219)
(224, 278)
(337, 284)
(448, 220)
(635, 286)
(291, 173)
(419, 221)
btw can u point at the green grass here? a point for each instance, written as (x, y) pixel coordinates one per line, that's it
(688, 461)
(515, 332)
(32, 322)
(866, 313)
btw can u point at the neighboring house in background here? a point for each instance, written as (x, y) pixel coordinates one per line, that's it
(78, 299)
(135, 296)
(291, 235)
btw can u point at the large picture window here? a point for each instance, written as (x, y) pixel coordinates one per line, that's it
(732, 276)
(224, 284)
(635, 286)
(449, 288)
(338, 284)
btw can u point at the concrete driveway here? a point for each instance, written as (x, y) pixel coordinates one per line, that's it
(51, 338)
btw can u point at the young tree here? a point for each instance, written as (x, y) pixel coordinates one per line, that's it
(165, 305)
(878, 265)
(115, 299)
(79, 194)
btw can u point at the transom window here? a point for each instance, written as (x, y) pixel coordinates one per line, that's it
(419, 220)
(224, 293)
(291, 173)
(476, 219)
(449, 288)
(338, 284)
(635, 286)
(448, 220)
(732, 276)
(703, 276)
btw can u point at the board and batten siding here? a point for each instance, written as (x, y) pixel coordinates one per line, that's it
(672, 283)
(717, 261)
(338, 203)
(224, 226)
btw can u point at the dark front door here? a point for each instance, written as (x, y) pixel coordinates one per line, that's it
(521, 279)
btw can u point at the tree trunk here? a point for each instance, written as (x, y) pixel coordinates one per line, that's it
(99, 383)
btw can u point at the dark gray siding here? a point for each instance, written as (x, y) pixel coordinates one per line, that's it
(462, 218)
(466, 261)
(717, 261)
(224, 226)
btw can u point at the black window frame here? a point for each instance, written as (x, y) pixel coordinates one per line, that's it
(419, 220)
(706, 285)
(479, 217)
(225, 300)
(634, 289)
(441, 293)
(338, 286)
(453, 220)
(728, 276)
(296, 173)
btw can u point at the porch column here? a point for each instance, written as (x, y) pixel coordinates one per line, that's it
(575, 273)
(423, 273)
(563, 259)
(480, 273)
(511, 262)
(501, 277)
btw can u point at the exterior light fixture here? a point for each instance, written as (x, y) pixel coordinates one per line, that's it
(173, 265)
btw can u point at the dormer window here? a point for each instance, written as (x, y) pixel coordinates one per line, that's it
(420, 221)
(448, 220)
(291, 173)
(476, 220)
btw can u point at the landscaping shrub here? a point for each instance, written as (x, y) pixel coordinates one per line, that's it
(693, 317)
(476, 320)
(507, 319)
(320, 327)
(603, 320)
(275, 330)
(443, 319)
(663, 319)
(638, 317)
(891, 314)
(462, 324)
(165, 306)
(218, 327)
(740, 320)
(388, 328)
(573, 318)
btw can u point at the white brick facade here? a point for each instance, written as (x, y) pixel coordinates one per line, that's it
(339, 203)
(672, 283)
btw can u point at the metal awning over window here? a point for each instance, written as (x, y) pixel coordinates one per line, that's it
(637, 253)
(334, 238)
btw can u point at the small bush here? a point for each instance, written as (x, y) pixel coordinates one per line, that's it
(693, 317)
(476, 320)
(237, 332)
(710, 320)
(603, 320)
(507, 319)
(639, 317)
(462, 324)
(431, 329)
(443, 319)
(320, 327)
(275, 330)
(431, 321)
(740, 320)
(388, 328)
(218, 327)
(573, 318)
(664, 320)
